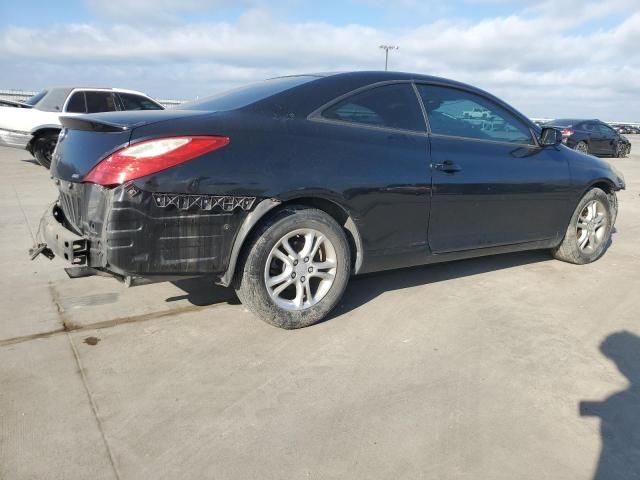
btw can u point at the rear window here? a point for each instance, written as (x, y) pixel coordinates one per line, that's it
(36, 98)
(53, 100)
(393, 106)
(243, 96)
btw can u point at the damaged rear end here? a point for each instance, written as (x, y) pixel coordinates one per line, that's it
(115, 212)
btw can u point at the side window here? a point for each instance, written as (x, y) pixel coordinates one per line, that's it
(137, 102)
(77, 103)
(463, 114)
(393, 106)
(100, 102)
(588, 127)
(605, 130)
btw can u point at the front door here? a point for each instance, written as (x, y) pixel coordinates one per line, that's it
(491, 184)
(608, 139)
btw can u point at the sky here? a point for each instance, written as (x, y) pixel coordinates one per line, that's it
(548, 58)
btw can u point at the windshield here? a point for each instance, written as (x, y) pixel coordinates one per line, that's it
(53, 99)
(243, 96)
(36, 98)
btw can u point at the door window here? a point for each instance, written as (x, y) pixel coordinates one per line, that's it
(77, 103)
(137, 102)
(606, 131)
(463, 114)
(392, 106)
(100, 102)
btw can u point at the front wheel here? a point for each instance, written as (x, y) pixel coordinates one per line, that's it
(43, 147)
(295, 269)
(582, 147)
(621, 150)
(589, 230)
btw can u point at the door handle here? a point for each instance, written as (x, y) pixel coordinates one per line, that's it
(448, 166)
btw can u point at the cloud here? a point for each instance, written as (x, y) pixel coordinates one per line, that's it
(540, 59)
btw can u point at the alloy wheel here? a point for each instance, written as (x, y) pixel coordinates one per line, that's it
(591, 226)
(582, 147)
(300, 269)
(48, 148)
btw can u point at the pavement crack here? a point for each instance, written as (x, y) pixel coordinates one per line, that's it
(68, 326)
(24, 215)
(94, 407)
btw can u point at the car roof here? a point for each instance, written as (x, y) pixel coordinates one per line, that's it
(330, 85)
(375, 76)
(109, 89)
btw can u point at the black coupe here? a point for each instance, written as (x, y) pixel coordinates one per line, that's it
(592, 136)
(287, 187)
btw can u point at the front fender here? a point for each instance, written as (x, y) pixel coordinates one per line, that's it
(587, 171)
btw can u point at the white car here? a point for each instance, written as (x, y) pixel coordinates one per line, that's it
(36, 129)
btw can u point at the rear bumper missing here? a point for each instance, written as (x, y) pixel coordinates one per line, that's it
(62, 241)
(139, 237)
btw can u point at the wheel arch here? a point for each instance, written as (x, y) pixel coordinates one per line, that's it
(40, 130)
(604, 184)
(270, 207)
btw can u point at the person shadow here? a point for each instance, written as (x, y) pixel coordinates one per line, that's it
(620, 413)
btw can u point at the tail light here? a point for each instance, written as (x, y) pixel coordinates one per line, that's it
(567, 132)
(151, 156)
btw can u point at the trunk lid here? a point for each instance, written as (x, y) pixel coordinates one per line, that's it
(87, 139)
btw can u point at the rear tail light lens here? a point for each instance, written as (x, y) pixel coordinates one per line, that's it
(567, 132)
(151, 156)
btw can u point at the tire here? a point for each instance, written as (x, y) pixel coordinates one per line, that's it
(587, 244)
(582, 147)
(265, 259)
(618, 151)
(621, 150)
(43, 147)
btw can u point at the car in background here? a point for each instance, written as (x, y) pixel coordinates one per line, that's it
(12, 103)
(287, 187)
(28, 103)
(592, 136)
(622, 129)
(36, 128)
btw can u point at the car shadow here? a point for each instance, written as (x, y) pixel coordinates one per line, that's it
(367, 287)
(620, 413)
(33, 161)
(202, 291)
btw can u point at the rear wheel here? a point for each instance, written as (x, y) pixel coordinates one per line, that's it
(296, 268)
(589, 230)
(582, 147)
(43, 147)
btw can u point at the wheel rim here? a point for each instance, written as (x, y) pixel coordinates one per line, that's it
(300, 269)
(582, 147)
(48, 148)
(592, 226)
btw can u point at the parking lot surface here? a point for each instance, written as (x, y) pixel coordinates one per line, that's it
(495, 368)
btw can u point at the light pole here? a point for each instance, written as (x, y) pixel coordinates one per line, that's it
(386, 49)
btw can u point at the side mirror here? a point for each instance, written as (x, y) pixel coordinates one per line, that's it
(550, 137)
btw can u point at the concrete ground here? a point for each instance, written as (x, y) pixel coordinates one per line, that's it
(494, 368)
